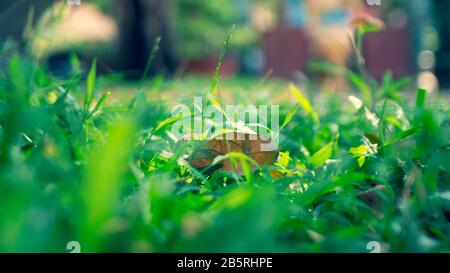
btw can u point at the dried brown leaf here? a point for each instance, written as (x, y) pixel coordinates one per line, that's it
(247, 144)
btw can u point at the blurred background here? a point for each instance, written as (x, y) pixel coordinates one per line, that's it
(74, 165)
(276, 37)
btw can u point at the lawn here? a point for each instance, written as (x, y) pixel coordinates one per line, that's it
(90, 163)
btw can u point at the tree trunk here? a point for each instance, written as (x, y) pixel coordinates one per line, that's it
(140, 23)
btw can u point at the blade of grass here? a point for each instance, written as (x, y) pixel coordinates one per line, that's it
(289, 116)
(421, 96)
(304, 103)
(215, 83)
(99, 104)
(101, 189)
(382, 125)
(321, 156)
(149, 63)
(90, 86)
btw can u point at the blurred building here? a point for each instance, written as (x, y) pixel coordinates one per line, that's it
(414, 42)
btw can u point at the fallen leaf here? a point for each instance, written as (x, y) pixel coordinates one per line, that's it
(204, 156)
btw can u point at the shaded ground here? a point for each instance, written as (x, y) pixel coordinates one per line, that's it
(234, 90)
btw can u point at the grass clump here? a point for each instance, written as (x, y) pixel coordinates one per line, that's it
(348, 173)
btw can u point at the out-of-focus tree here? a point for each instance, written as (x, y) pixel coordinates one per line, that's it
(202, 25)
(140, 22)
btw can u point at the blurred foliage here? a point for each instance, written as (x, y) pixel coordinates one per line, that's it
(202, 25)
(199, 27)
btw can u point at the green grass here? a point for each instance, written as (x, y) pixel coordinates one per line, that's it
(76, 165)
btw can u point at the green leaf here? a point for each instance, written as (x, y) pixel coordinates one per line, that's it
(243, 159)
(358, 151)
(421, 96)
(101, 188)
(284, 159)
(168, 121)
(363, 151)
(289, 116)
(361, 86)
(361, 161)
(90, 85)
(366, 28)
(317, 190)
(382, 127)
(75, 63)
(394, 121)
(401, 136)
(321, 156)
(99, 104)
(304, 102)
(216, 104)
